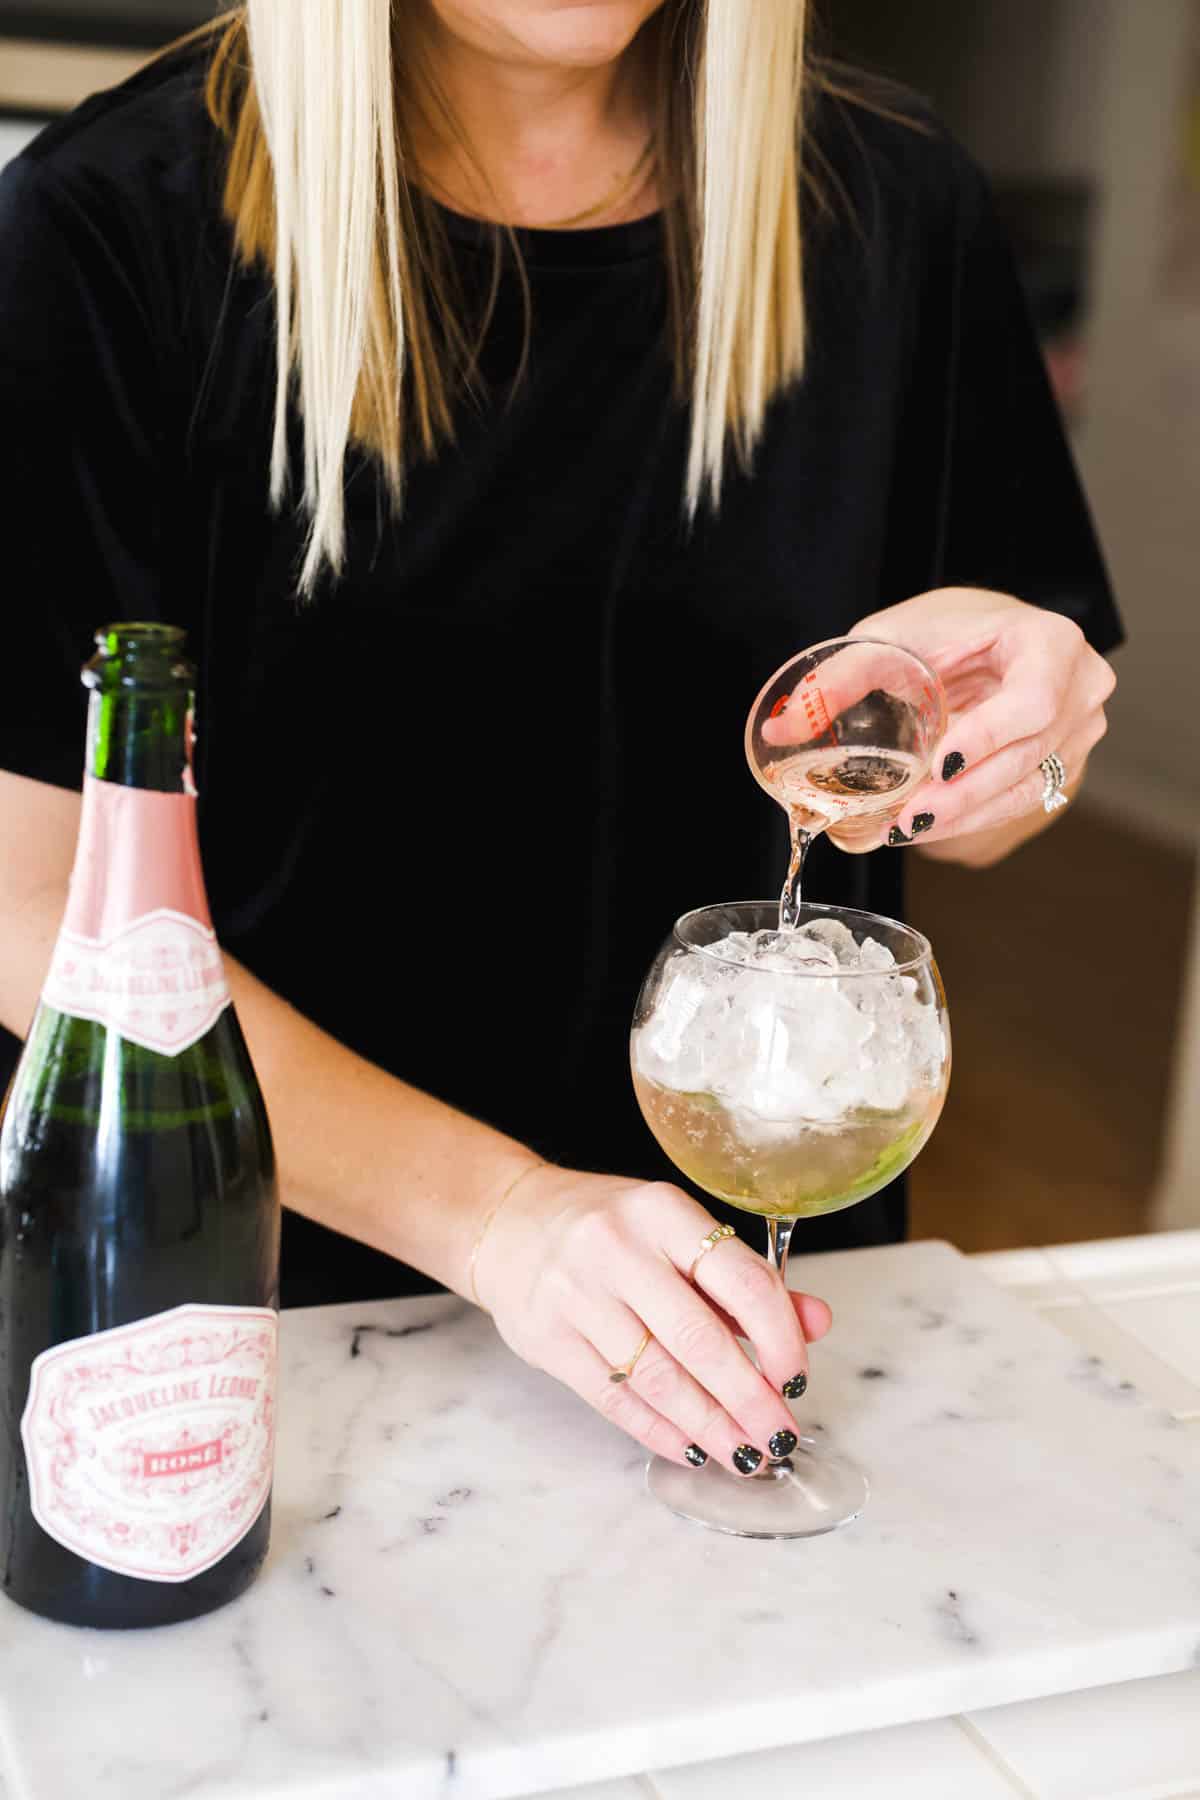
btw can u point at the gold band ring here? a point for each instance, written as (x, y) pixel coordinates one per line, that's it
(625, 1370)
(716, 1236)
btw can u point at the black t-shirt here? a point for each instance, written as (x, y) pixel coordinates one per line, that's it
(451, 808)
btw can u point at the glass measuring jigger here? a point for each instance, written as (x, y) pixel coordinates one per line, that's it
(840, 737)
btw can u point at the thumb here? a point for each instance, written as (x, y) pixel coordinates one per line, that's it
(814, 1315)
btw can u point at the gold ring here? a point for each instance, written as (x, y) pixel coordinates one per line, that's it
(716, 1236)
(625, 1370)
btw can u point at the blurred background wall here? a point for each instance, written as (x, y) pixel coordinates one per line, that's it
(1075, 1110)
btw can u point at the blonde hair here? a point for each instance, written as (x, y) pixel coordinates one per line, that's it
(321, 188)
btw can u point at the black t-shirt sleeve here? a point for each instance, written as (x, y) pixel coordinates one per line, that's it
(81, 463)
(1012, 512)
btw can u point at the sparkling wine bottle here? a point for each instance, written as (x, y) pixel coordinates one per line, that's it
(139, 1220)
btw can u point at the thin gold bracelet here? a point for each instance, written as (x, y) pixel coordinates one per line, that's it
(513, 1185)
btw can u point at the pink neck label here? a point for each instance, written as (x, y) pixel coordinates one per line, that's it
(137, 951)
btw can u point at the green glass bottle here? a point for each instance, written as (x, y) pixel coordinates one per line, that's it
(139, 1218)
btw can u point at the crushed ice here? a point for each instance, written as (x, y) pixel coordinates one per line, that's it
(738, 1023)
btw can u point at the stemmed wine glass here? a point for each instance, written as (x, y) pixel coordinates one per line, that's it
(789, 1073)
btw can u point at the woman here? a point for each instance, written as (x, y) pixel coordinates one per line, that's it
(484, 540)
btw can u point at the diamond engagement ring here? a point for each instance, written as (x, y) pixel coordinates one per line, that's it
(1054, 780)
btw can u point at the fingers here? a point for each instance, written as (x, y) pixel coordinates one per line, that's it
(1027, 703)
(1025, 796)
(1022, 792)
(987, 778)
(1052, 681)
(1022, 683)
(582, 1368)
(814, 1315)
(750, 1290)
(689, 1330)
(617, 1271)
(674, 1393)
(1008, 786)
(740, 1284)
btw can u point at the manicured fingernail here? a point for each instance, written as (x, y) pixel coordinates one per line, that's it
(696, 1456)
(953, 765)
(783, 1443)
(896, 836)
(922, 822)
(746, 1459)
(796, 1388)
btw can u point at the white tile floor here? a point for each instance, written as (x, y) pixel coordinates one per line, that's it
(1108, 1333)
(1157, 1263)
(936, 1761)
(1167, 1323)
(1142, 1738)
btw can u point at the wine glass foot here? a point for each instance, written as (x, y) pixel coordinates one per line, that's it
(810, 1492)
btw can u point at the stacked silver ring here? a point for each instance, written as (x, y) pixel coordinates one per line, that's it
(1054, 780)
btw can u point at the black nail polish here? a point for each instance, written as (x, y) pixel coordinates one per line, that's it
(896, 836)
(953, 765)
(696, 1456)
(796, 1388)
(783, 1443)
(922, 822)
(746, 1459)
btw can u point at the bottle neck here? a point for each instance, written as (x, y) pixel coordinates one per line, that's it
(138, 850)
(141, 739)
(138, 853)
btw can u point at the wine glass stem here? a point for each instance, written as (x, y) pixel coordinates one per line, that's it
(779, 1238)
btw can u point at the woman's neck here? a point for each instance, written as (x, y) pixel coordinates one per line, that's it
(534, 143)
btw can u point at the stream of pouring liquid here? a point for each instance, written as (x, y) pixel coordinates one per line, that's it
(802, 836)
(822, 787)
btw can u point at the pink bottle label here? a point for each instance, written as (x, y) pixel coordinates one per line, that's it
(137, 950)
(150, 1447)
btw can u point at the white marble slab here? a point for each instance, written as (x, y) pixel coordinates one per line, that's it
(471, 1594)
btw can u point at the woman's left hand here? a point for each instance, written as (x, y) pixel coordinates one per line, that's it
(1020, 683)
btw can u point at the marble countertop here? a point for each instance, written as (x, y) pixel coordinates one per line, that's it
(470, 1593)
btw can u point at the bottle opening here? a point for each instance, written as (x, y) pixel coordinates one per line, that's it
(140, 654)
(113, 640)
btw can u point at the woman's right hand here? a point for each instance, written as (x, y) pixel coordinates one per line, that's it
(575, 1268)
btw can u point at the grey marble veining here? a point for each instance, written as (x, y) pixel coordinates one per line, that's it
(470, 1593)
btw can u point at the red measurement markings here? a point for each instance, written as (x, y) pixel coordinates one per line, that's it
(816, 713)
